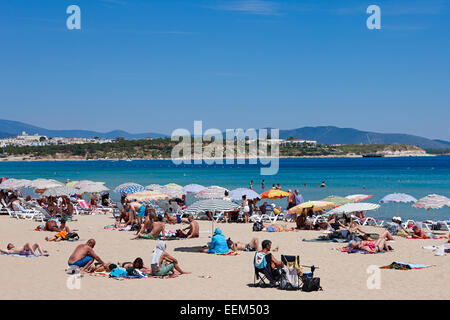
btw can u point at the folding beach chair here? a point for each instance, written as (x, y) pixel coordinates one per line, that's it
(292, 275)
(264, 274)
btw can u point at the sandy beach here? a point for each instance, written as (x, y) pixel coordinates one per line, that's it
(343, 276)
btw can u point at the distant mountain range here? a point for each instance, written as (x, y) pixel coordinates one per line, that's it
(10, 128)
(335, 135)
(324, 134)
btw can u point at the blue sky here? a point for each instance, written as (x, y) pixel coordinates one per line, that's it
(153, 66)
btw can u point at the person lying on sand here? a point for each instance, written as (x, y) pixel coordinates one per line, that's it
(277, 228)
(154, 233)
(419, 233)
(84, 256)
(98, 267)
(163, 263)
(138, 263)
(173, 219)
(253, 245)
(371, 245)
(57, 237)
(194, 228)
(51, 225)
(26, 250)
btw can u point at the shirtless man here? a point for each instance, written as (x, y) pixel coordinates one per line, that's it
(26, 250)
(276, 228)
(127, 215)
(253, 245)
(84, 256)
(147, 226)
(138, 210)
(157, 229)
(194, 229)
(173, 219)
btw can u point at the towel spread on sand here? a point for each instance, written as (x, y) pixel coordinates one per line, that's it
(21, 255)
(127, 228)
(106, 275)
(326, 240)
(405, 266)
(231, 253)
(353, 250)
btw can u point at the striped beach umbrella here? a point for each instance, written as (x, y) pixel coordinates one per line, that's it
(358, 197)
(60, 191)
(155, 187)
(237, 194)
(193, 188)
(45, 183)
(173, 186)
(274, 194)
(432, 201)
(129, 187)
(212, 192)
(147, 195)
(91, 188)
(213, 205)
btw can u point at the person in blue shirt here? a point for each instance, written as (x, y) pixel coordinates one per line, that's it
(218, 243)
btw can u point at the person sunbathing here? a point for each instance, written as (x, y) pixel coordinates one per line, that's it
(194, 228)
(419, 233)
(253, 245)
(371, 246)
(51, 225)
(163, 263)
(98, 267)
(62, 235)
(84, 256)
(138, 263)
(26, 250)
(173, 219)
(277, 228)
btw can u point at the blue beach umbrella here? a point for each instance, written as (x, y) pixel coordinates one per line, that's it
(129, 187)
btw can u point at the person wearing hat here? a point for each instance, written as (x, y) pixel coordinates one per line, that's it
(396, 228)
(218, 243)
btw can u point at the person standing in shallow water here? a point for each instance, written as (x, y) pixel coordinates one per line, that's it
(263, 185)
(251, 184)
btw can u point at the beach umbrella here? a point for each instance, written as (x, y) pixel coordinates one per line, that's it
(432, 201)
(173, 192)
(358, 197)
(44, 183)
(213, 205)
(91, 188)
(338, 201)
(81, 183)
(212, 192)
(353, 207)
(155, 187)
(173, 186)
(147, 195)
(193, 188)
(129, 187)
(14, 184)
(274, 194)
(237, 194)
(398, 198)
(60, 191)
(315, 205)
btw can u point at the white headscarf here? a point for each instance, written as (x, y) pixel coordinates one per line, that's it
(157, 252)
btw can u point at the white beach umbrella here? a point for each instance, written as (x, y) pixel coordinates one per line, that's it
(398, 198)
(91, 188)
(147, 195)
(173, 192)
(193, 188)
(14, 184)
(212, 192)
(155, 187)
(44, 183)
(213, 205)
(60, 191)
(237, 194)
(353, 207)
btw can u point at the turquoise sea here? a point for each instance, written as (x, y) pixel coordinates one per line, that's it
(417, 176)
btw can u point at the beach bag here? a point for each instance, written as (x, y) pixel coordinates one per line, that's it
(72, 236)
(260, 260)
(258, 226)
(311, 284)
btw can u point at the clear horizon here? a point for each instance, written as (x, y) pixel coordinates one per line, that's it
(155, 66)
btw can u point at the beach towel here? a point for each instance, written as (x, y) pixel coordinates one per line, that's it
(127, 228)
(324, 240)
(231, 253)
(353, 250)
(21, 255)
(405, 266)
(106, 275)
(428, 236)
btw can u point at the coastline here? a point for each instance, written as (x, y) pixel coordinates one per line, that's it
(396, 155)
